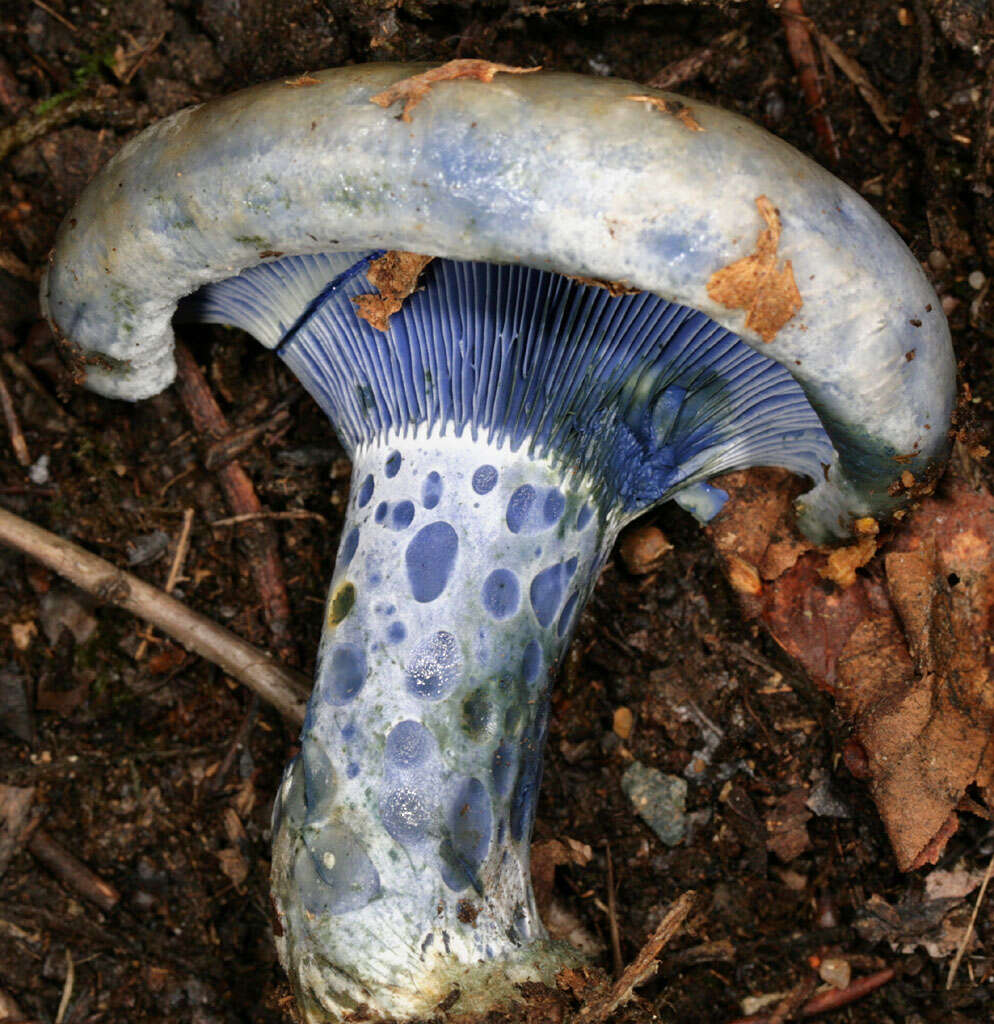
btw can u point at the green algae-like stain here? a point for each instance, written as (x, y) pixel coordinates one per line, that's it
(341, 603)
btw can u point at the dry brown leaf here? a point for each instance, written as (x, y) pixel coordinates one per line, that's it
(756, 284)
(546, 857)
(302, 81)
(394, 275)
(414, 89)
(907, 652)
(786, 826)
(673, 107)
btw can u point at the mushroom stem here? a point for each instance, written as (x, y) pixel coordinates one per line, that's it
(402, 829)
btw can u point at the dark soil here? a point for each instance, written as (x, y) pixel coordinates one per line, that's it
(126, 754)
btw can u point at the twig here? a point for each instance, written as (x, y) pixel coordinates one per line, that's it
(73, 872)
(260, 537)
(16, 267)
(9, 1010)
(15, 815)
(644, 966)
(20, 369)
(794, 999)
(285, 689)
(52, 13)
(32, 126)
(249, 517)
(689, 67)
(927, 43)
(968, 934)
(833, 999)
(239, 741)
(146, 53)
(17, 441)
(796, 28)
(182, 547)
(612, 917)
(237, 441)
(66, 989)
(855, 73)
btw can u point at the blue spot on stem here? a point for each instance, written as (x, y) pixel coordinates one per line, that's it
(408, 745)
(435, 667)
(393, 465)
(431, 490)
(501, 593)
(365, 491)
(349, 545)
(547, 593)
(344, 673)
(484, 479)
(402, 515)
(430, 558)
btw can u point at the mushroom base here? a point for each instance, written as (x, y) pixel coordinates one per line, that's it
(402, 830)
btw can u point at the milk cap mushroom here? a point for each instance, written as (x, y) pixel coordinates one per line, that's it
(533, 306)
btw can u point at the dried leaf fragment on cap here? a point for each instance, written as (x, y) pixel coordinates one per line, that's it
(394, 275)
(675, 108)
(756, 284)
(414, 89)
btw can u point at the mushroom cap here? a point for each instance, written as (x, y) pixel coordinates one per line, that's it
(556, 171)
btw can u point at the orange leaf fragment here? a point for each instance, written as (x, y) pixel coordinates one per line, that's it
(756, 284)
(414, 89)
(394, 275)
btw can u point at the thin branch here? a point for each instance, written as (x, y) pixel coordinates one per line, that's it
(17, 441)
(285, 689)
(182, 547)
(644, 966)
(954, 966)
(259, 535)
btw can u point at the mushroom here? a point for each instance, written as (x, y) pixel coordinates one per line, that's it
(620, 295)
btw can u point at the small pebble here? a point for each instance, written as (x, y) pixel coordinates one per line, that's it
(976, 280)
(659, 799)
(623, 722)
(643, 549)
(39, 473)
(938, 261)
(835, 971)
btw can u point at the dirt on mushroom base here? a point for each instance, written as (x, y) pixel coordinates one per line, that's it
(127, 777)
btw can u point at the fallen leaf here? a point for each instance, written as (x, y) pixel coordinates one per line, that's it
(756, 284)
(939, 926)
(904, 648)
(545, 858)
(414, 89)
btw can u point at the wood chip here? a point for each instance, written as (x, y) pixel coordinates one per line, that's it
(644, 966)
